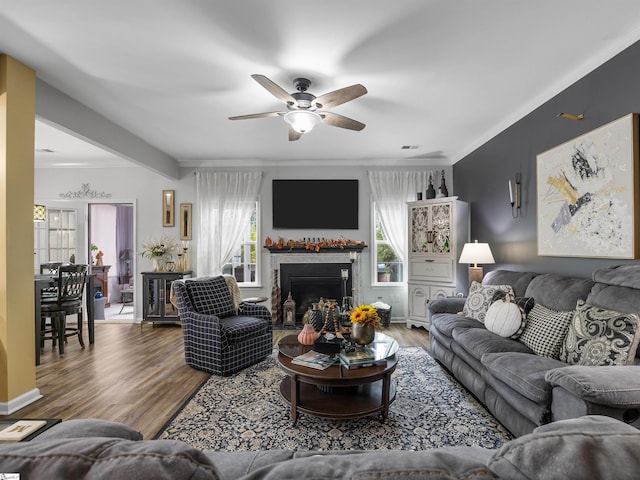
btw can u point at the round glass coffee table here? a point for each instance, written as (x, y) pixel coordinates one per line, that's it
(338, 392)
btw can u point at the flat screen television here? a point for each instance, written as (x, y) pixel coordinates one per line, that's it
(315, 204)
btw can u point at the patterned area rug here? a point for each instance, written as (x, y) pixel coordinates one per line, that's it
(246, 412)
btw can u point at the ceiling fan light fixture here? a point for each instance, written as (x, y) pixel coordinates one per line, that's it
(302, 121)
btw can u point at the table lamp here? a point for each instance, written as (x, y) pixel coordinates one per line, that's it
(475, 253)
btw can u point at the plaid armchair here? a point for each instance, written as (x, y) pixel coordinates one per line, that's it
(218, 338)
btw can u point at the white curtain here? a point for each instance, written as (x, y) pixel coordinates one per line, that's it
(391, 191)
(225, 203)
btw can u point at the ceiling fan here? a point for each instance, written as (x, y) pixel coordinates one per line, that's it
(305, 110)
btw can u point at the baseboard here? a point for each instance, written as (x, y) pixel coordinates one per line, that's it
(15, 404)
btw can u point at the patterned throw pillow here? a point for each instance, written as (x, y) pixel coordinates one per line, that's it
(545, 331)
(480, 298)
(600, 337)
(210, 296)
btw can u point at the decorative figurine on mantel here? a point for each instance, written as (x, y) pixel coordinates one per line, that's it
(99, 258)
(443, 187)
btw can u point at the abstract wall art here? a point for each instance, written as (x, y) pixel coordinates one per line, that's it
(588, 194)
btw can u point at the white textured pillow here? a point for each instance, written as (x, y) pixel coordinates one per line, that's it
(504, 318)
(480, 298)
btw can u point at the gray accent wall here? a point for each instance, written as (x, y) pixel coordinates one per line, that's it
(481, 178)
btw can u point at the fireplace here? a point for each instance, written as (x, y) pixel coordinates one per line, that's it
(307, 282)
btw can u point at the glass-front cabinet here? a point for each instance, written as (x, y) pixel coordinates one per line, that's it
(438, 229)
(156, 296)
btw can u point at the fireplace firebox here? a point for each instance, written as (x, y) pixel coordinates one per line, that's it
(307, 282)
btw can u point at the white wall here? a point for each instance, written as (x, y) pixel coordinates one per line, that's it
(144, 188)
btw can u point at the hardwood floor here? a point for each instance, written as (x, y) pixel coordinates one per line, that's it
(132, 374)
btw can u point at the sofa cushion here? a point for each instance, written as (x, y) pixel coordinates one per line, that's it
(519, 281)
(89, 427)
(599, 337)
(447, 463)
(96, 457)
(545, 330)
(479, 299)
(523, 372)
(617, 385)
(446, 323)
(558, 292)
(478, 341)
(210, 296)
(240, 328)
(586, 447)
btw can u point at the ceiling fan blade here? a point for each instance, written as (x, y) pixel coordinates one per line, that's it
(336, 120)
(274, 89)
(255, 115)
(340, 96)
(294, 135)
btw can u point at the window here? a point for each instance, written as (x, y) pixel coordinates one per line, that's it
(55, 240)
(388, 265)
(244, 262)
(62, 234)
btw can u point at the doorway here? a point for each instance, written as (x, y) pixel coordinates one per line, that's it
(111, 253)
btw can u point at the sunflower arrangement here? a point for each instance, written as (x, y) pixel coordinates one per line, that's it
(366, 315)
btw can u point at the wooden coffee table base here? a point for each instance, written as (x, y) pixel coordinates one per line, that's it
(338, 402)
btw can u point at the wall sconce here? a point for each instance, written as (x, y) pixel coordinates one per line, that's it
(475, 253)
(39, 213)
(168, 208)
(514, 197)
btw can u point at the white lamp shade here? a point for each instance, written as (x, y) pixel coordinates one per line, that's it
(302, 121)
(476, 253)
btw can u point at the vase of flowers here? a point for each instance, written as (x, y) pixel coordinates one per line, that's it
(158, 251)
(364, 321)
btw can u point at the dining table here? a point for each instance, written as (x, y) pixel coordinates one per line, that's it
(43, 281)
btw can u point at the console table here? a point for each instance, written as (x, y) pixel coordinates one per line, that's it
(156, 290)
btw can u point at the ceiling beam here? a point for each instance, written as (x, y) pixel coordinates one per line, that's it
(58, 109)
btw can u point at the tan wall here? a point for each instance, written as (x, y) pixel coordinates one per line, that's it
(17, 118)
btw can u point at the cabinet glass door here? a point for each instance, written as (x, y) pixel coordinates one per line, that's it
(420, 230)
(441, 224)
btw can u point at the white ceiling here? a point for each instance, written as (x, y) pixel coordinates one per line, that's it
(443, 76)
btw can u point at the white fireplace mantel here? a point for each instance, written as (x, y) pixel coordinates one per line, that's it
(340, 256)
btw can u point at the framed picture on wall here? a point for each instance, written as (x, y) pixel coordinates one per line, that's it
(587, 198)
(168, 208)
(185, 221)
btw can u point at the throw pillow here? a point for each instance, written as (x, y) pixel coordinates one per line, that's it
(504, 318)
(210, 296)
(525, 304)
(598, 337)
(480, 298)
(545, 331)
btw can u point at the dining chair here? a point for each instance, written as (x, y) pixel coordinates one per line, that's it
(70, 284)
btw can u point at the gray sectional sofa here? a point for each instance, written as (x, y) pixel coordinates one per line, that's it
(523, 389)
(593, 447)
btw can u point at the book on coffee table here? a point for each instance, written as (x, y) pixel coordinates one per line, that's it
(316, 360)
(360, 357)
(21, 429)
